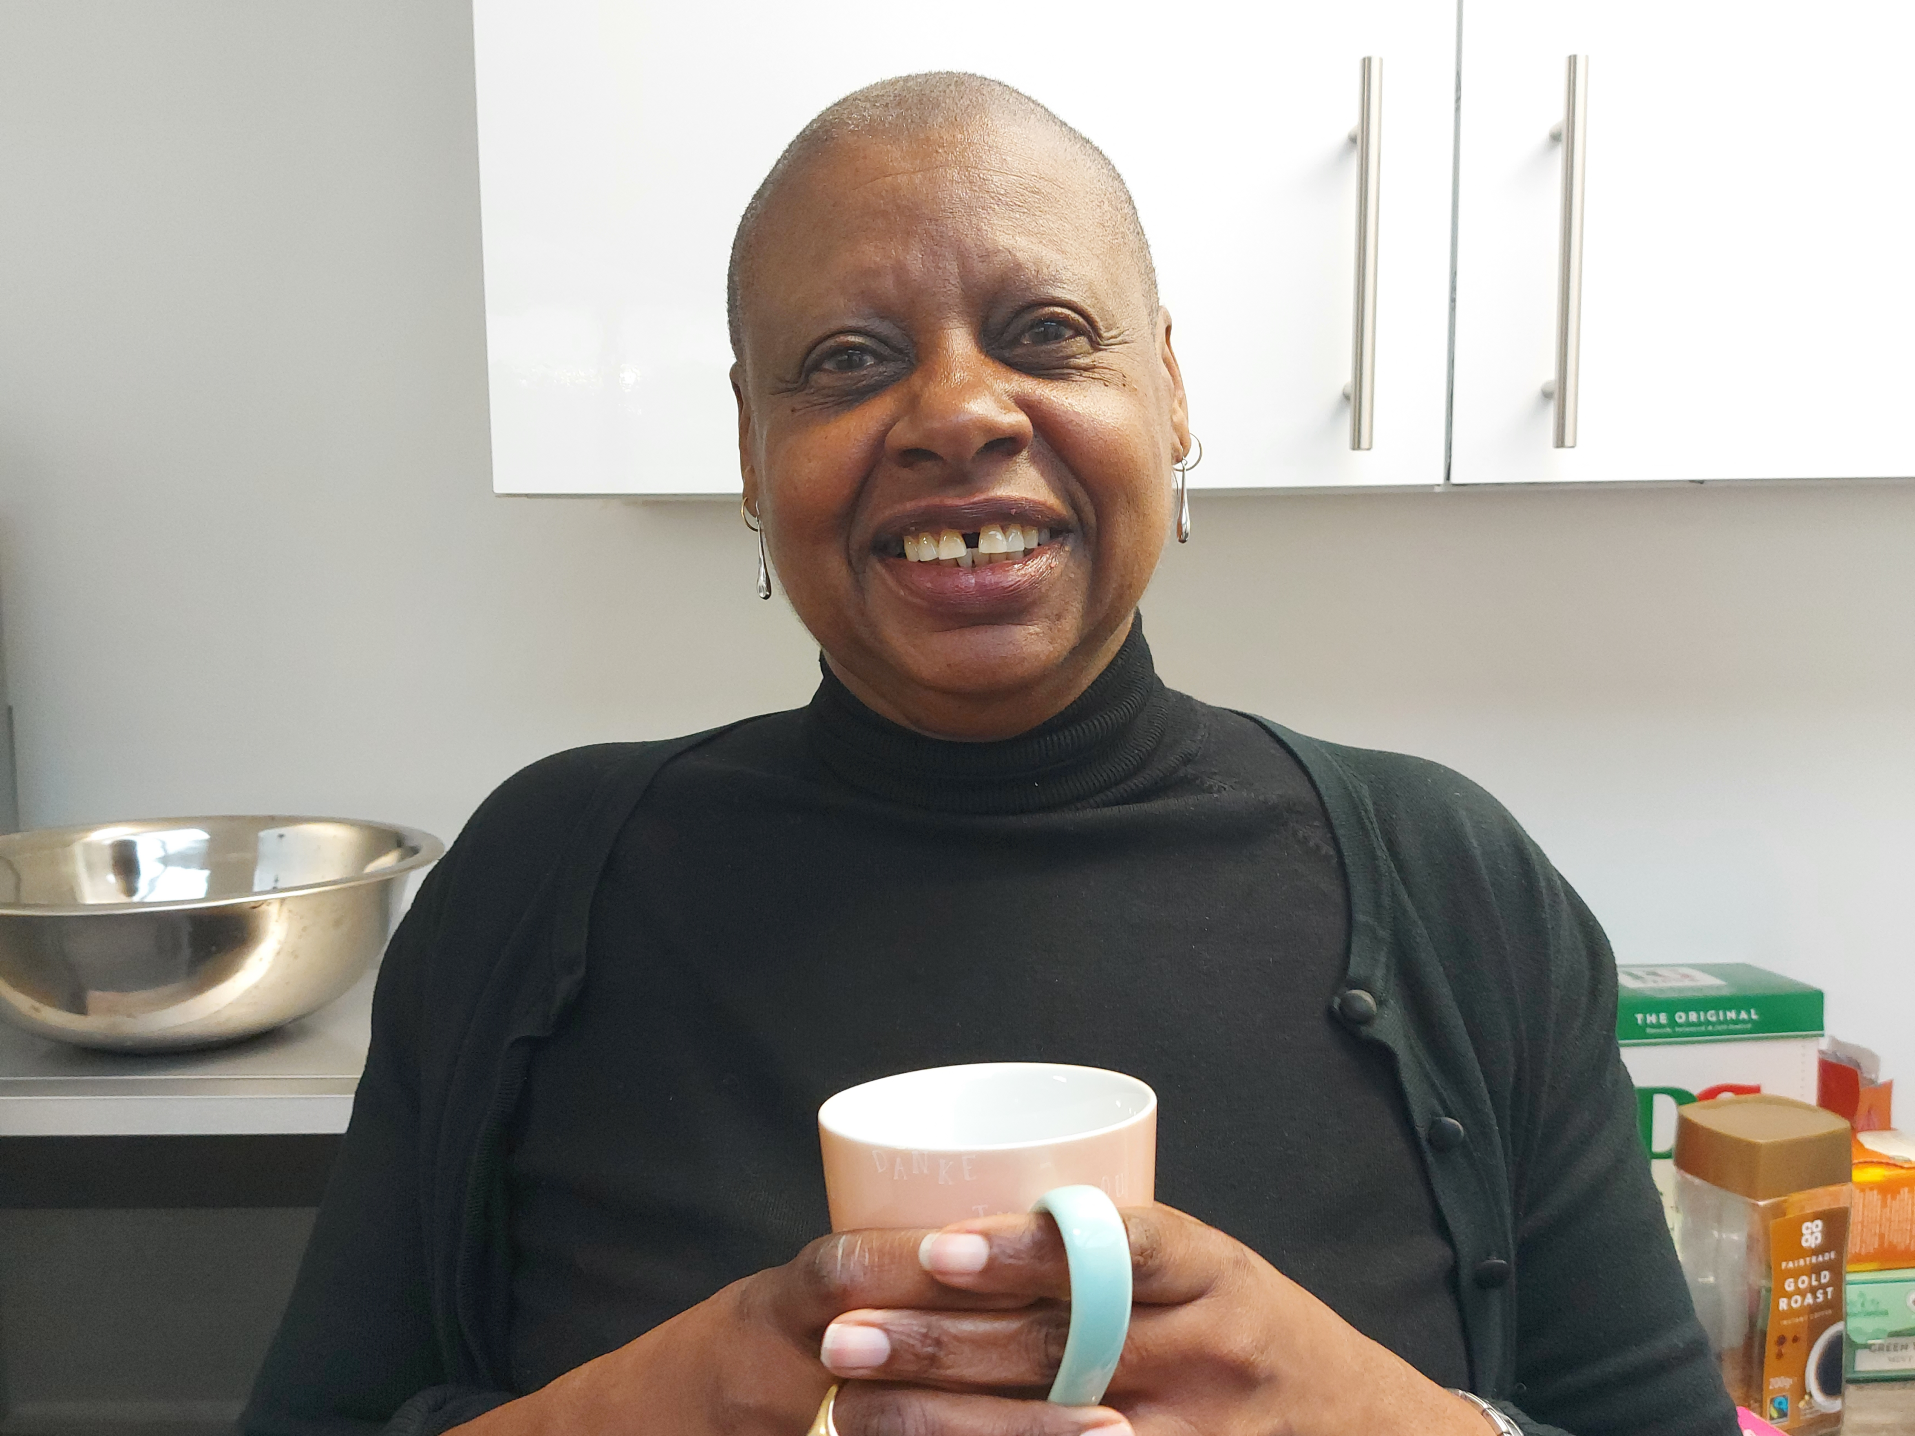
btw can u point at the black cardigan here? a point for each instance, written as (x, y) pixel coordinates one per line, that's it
(1470, 960)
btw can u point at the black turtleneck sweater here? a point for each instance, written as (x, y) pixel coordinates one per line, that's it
(821, 897)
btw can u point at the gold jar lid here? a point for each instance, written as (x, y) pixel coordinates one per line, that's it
(1760, 1146)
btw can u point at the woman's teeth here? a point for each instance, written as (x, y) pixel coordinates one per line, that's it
(994, 543)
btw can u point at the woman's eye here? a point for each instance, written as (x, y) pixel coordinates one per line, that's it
(1049, 331)
(846, 361)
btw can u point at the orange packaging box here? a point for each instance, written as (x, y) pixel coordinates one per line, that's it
(1882, 1220)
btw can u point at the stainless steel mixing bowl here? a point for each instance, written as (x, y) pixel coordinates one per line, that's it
(187, 932)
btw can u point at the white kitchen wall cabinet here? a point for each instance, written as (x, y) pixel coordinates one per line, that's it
(1747, 294)
(619, 143)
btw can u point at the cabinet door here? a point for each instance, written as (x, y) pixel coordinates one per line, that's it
(1749, 196)
(618, 145)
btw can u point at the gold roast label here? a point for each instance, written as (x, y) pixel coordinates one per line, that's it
(1802, 1364)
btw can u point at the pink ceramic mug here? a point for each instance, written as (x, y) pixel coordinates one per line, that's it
(923, 1149)
(926, 1148)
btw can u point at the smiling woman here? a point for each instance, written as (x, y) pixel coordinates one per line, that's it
(1397, 1153)
(946, 324)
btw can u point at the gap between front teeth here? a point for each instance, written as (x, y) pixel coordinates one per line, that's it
(996, 543)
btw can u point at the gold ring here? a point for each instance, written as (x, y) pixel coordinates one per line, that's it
(823, 1425)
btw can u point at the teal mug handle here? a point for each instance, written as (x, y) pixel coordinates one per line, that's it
(1097, 1248)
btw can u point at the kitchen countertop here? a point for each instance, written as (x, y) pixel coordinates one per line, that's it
(298, 1079)
(1879, 1408)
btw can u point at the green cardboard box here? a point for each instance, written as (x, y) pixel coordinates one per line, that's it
(1690, 1033)
(1698, 1031)
(1711, 1002)
(1879, 1343)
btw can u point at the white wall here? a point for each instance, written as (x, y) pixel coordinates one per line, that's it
(249, 559)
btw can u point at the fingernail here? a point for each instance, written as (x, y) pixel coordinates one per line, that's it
(954, 1253)
(850, 1349)
(1110, 1425)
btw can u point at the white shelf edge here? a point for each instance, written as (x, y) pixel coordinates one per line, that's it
(101, 1115)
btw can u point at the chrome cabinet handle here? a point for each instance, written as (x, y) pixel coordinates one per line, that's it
(1573, 133)
(1368, 136)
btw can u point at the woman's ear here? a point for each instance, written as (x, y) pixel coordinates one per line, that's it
(1179, 404)
(747, 459)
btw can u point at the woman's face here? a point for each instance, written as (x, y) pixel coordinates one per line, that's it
(948, 336)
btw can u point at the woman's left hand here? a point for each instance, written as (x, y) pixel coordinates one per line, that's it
(1220, 1342)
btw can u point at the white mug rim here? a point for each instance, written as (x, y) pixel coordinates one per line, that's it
(832, 1120)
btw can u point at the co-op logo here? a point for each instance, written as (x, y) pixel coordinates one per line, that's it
(1812, 1234)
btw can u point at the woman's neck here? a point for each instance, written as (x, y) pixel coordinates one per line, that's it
(1124, 729)
(965, 716)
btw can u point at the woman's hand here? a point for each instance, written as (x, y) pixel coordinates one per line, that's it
(746, 1362)
(1220, 1343)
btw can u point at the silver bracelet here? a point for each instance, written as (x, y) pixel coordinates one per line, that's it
(1504, 1426)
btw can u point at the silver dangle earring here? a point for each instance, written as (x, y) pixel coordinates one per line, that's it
(1180, 486)
(764, 562)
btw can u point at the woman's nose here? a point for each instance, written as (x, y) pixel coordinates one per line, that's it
(959, 413)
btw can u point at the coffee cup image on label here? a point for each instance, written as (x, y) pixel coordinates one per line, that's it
(1822, 1372)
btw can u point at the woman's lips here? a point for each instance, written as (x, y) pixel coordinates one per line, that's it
(1010, 582)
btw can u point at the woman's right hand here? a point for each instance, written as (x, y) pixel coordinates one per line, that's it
(745, 1362)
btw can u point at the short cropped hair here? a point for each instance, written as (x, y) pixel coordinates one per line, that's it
(915, 104)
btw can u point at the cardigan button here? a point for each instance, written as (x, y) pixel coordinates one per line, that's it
(1356, 1007)
(1491, 1274)
(1445, 1134)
